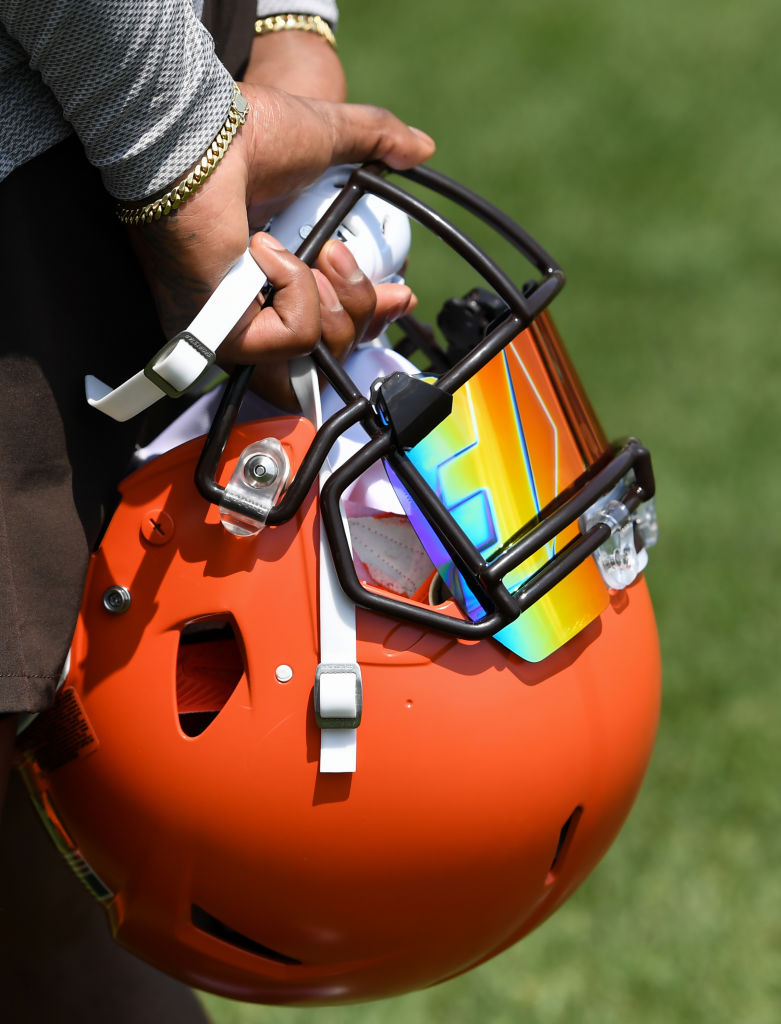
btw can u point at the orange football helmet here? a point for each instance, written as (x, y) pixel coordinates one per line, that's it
(316, 748)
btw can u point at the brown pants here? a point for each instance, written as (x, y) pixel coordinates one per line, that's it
(72, 301)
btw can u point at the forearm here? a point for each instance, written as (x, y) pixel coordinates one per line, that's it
(298, 62)
(139, 83)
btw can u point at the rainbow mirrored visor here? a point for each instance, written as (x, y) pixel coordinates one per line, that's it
(499, 465)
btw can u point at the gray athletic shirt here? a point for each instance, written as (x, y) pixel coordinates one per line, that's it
(137, 80)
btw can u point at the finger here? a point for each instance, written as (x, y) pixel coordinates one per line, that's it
(336, 324)
(289, 327)
(271, 380)
(371, 308)
(272, 377)
(362, 132)
(352, 287)
(393, 301)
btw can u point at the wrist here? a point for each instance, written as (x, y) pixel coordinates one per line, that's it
(137, 213)
(301, 63)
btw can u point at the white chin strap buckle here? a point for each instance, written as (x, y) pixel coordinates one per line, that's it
(185, 358)
(179, 364)
(338, 709)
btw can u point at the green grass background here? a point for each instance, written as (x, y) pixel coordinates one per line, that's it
(641, 143)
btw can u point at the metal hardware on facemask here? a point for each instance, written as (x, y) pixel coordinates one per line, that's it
(465, 321)
(615, 515)
(646, 522)
(623, 556)
(411, 406)
(260, 477)
(116, 599)
(260, 471)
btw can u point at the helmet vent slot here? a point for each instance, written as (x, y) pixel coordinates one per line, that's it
(205, 922)
(209, 665)
(565, 841)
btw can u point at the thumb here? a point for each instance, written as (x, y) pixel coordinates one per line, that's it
(362, 132)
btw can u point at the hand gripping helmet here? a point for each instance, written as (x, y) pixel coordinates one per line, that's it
(357, 699)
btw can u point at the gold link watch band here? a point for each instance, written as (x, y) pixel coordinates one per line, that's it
(296, 22)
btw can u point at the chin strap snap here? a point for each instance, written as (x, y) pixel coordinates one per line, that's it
(338, 709)
(338, 687)
(183, 360)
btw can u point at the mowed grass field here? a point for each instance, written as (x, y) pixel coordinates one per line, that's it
(641, 143)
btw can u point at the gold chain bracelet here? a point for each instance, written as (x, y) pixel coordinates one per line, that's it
(173, 198)
(299, 22)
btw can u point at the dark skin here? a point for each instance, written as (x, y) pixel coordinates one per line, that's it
(302, 63)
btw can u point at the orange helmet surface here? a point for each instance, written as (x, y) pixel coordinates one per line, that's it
(315, 748)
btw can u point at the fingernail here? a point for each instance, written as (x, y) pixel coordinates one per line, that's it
(269, 241)
(343, 262)
(328, 296)
(405, 305)
(422, 135)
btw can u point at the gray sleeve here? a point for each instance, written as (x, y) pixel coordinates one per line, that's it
(139, 82)
(327, 9)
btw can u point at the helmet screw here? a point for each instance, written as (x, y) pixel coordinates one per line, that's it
(157, 527)
(116, 599)
(260, 470)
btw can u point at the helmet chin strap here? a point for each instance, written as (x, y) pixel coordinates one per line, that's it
(183, 360)
(338, 689)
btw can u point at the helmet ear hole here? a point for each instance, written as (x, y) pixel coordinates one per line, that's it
(209, 665)
(205, 922)
(562, 847)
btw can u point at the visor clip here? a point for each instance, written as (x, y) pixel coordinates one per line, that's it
(257, 482)
(411, 407)
(338, 700)
(623, 555)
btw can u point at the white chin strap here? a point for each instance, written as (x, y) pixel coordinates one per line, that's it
(338, 688)
(184, 359)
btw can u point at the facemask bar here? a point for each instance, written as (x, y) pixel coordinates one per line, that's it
(607, 465)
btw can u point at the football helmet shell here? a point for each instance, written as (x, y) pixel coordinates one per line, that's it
(178, 769)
